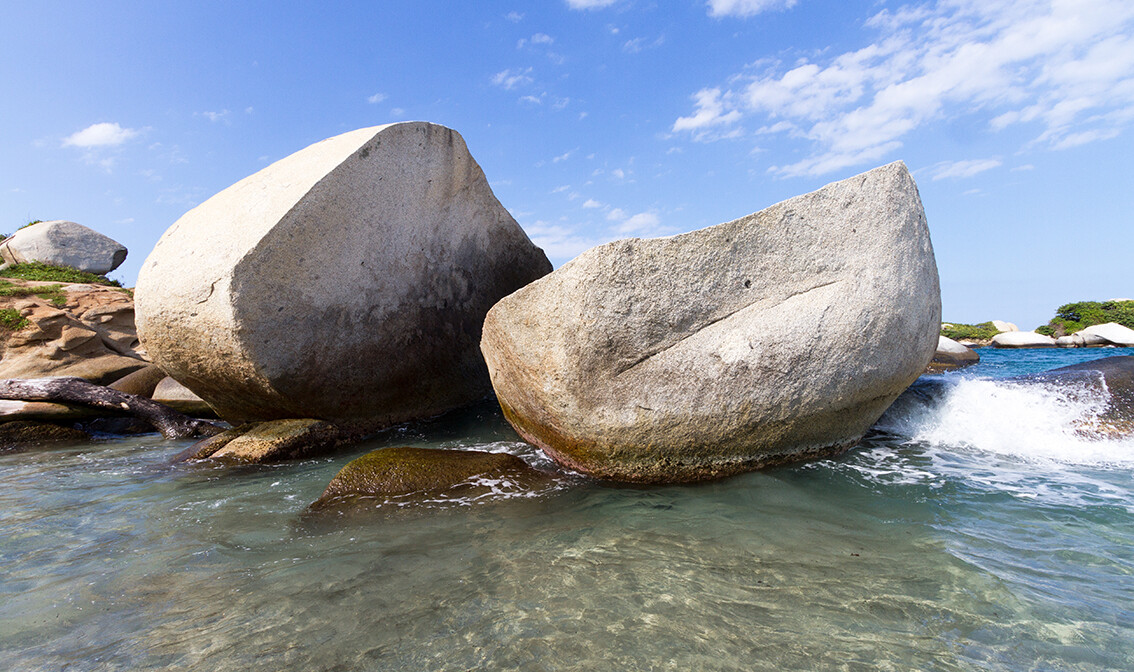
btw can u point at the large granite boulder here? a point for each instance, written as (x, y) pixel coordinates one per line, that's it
(1112, 332)
(63, 243)
(1002, 326)
(1022, 339)
(781, 335)
(951, 355)
(346, 282)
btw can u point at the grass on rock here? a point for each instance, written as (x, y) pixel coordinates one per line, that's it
(37, 270)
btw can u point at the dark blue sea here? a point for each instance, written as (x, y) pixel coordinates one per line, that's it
(988, 529)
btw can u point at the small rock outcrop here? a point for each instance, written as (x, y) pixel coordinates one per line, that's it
(397, 472)
(1081, 340)
(19, 435)
(63, 243)
(1022, 339)
(348, 282)
(79, 330)
(1002, 326)
(951, 355)
(779, 336)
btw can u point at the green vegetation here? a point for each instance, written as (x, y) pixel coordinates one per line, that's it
(34, 221)
(50, 273)
(52, 293)
(11, 319)
(1072, 317)
(972, 332)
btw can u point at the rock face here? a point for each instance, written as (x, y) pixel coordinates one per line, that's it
(1022, 339)
(86, 331)
(951, 355)
(347, 282)
(1114, 333)
(778, 336)
(395, 472)
(64, 243)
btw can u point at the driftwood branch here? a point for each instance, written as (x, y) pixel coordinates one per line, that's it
(171, 424)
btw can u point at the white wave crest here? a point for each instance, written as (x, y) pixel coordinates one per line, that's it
(1036, 422)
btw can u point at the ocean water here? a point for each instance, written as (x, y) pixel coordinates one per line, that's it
(981, 526)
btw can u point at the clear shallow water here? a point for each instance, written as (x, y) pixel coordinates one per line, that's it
(983, 531)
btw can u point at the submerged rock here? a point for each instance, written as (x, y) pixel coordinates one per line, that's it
(951, 355)
(348, 281)
(20, 435)
(265, 442)
(781, 335)
(1022, 339)
(397, 472)
(64, 243)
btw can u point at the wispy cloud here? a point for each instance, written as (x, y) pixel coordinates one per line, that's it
(514, 17)
(105, 134)
(1065, 69)
(512, 78)
(590, 4)
(746, 8)
(962, 169)
(216, 116)
(376, 98)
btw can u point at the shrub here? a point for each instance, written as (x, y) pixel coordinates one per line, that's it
(973, 332)
(38, 270)
(1072, 317)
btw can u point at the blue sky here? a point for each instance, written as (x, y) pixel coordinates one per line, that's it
(601, 119)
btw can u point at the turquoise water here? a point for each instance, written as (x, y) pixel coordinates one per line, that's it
(979, 533)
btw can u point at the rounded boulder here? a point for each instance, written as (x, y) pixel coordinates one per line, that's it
(775, 337)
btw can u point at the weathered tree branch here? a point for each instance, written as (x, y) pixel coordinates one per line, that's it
(171, 424)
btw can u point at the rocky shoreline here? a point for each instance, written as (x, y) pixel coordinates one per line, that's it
(777, 337)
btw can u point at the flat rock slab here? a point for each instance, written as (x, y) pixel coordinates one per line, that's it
(348, 282)
(781, 335)
(266, 442)
(1022, 339)
(398, 472)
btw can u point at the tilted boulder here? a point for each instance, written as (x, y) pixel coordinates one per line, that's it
(64, 243)
(346, 282)
(781, 335)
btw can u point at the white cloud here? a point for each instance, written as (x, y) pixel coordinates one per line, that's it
(561, 188)
(643, 224)
(591, 203)
(1063, 69)
(639, 44)
(710, 112)
(565, 155)
(616, 215)
(105, 134)
(745, 8)
(397, 112)
(216, 116)
(510, 79)
(376, 98)
(962, 169)
(542, 38)
(560, 243)
(590, 4)
(514, 17)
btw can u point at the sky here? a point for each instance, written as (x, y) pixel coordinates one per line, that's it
(596, 120)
